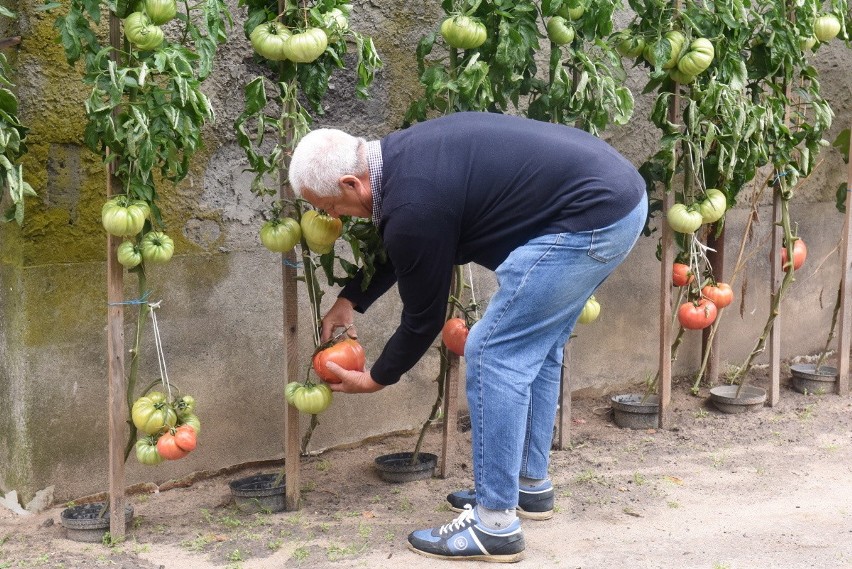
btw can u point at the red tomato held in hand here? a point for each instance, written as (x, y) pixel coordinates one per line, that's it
(800, 253)
(454, 335)
(348, 354)
(681, 275)
(721, 295)
(696, 316)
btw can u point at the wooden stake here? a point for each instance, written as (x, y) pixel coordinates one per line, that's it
(717, 261)
(451, 413)
(845, 274)
(776, 276)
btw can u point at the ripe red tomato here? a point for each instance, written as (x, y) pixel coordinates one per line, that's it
(168, 448)
(800, 253)
(186, 437)
(696, 315)
(721, 295)
(454, 335)
(681, 275)
(348, 354)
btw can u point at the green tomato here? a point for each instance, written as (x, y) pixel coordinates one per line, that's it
(320, 231)
(123, 218)
(713, 206)
(591, 311)
(308, 398)
(807, 44)
(157, 247)
(680, 77)
(280, 235)
(306, 46)
(192, 420)
(185, 405)
(336, 21)
(152, 416)
(826, 27)
(463, 32)
(674, 40)
(129, 255)
(146, 451)
(628, 45)
(559, 31)
(683, 219)
(268, 40)
(161, 11)
(141, 32)
(697, 58)
(572, 10)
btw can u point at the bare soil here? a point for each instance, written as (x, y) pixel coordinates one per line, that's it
(767, 489)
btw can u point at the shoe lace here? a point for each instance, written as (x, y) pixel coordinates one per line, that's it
(464, 519)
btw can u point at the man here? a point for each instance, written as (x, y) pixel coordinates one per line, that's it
(552, 210)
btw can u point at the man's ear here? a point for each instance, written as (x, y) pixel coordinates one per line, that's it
(348, 182)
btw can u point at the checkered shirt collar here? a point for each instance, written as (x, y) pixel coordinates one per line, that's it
(374, 161)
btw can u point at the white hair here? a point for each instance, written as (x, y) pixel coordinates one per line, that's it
(322, 157)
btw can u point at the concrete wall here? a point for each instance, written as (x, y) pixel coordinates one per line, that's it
(221, 311)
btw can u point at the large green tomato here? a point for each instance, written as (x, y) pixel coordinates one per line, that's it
(150, 415)
(572, 10)
(122, 217)
(310, 398)
(161, 11)
(683, 219)
(698, 57)
(559, 31)
(591, 311)
(306, 46)
(675, 41)
(142, 32)
(190, 419)
(680, 77)
(320, 231)
(713, 206)
(129, 255)
(146, 451)
(463, 32)
(268, 40)
(826, 27)
(157, 247)
(280, 235)
(336, 21)
(629, 45)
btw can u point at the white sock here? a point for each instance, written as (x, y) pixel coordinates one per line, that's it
(495, 519)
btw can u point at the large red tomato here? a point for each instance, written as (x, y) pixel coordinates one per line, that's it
(348, 354)
(168, 447)
(721, 294)
(800, 253)
(681, 275)
(454, 334)
(696, 315)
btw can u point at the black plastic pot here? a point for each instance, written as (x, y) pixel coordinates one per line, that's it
(84, 523)
(750, 398)
(635, 411)
(397, 467)
(807, 379)
(257, 493)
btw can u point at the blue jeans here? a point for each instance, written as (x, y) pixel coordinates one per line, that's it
(513, 354)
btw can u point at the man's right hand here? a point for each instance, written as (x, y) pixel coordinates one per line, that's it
(340, 315)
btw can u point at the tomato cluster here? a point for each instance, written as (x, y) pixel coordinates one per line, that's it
(142, 28)
(170, 428)
(125, 217)
(688, 218)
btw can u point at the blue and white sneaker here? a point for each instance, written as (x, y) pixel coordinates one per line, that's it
(466, 538)
(533, 503)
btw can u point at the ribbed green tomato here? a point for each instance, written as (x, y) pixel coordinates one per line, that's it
(559, 31)
(150, 415)
(306, 46)
(146, 451)
(268, 40)
(336, 21)
(680, 77)
(310, 398)
(591, 311)
(157, 247)
(128, 255)
(142, 32)
(826, 27)
(320, 231)
(190, 419)
(572, 10)
(185, 406)
(629, 45)
(684, 219)
(675, 41)
(122, 217)
(161, 11)
(463, 32)
(280, 235)
(713, 206)
(697, 58)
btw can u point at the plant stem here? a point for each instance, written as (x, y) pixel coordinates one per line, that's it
(307, 438)
(142, 283)
(824, 353)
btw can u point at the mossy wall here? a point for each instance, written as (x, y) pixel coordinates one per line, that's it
(221, 298)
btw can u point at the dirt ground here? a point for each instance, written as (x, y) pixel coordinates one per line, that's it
(768, 489)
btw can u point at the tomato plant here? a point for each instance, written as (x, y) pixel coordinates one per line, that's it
(696, 315)
(719, 294)
(454, 335)
(591, 311)
(800, 253)
(348, 354)
(681, 274)
(310, 398)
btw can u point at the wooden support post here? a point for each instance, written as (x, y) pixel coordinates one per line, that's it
(845, 290)
(716, 257)
(777, 276)
(118, 411)
(563, 418)
(451, 413)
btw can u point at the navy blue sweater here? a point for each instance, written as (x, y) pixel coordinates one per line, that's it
(472, 187)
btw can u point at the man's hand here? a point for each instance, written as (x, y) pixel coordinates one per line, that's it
(340, 315)
(352, 381)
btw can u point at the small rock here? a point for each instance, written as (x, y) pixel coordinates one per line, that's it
(47, 523)
(41, 501)
(10, 501)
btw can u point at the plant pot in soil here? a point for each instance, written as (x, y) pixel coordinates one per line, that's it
(257, 493)
(725, 398)
(397, 467)
(631, 412)
(84, 523)
(807, 379)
